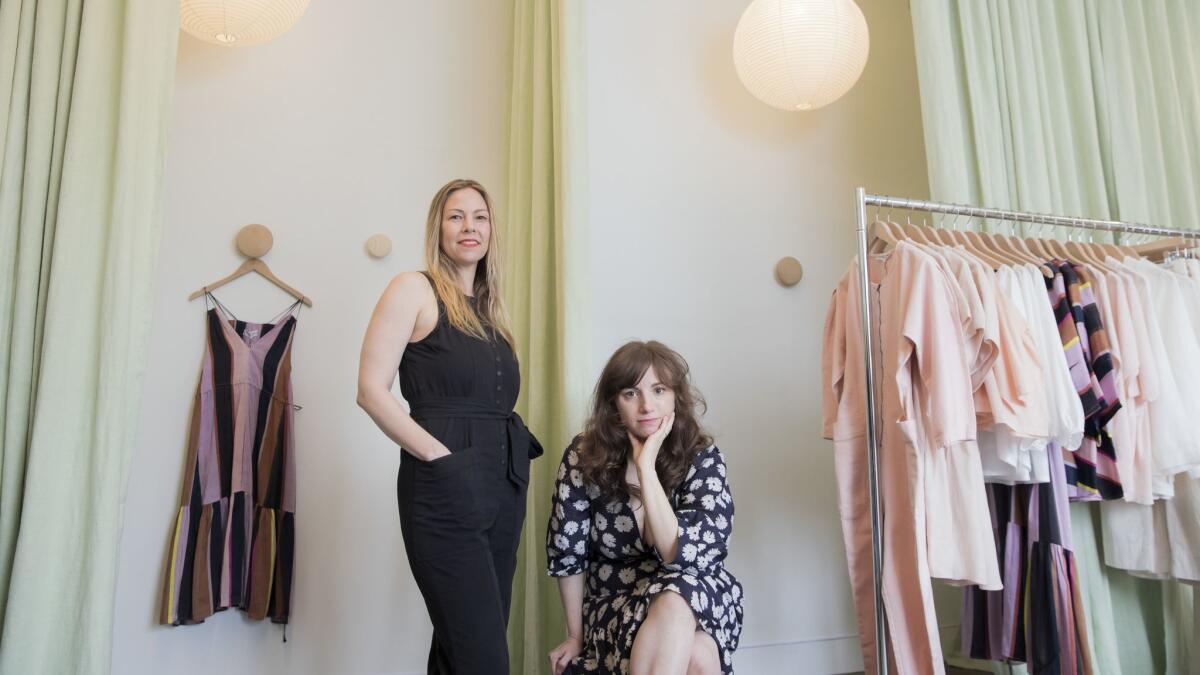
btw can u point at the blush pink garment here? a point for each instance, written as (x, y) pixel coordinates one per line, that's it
(926, 417)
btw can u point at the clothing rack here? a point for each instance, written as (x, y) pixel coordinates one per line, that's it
(862, 200)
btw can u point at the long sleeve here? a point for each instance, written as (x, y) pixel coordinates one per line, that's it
(567, 541)
(704, 509)
(833, 364)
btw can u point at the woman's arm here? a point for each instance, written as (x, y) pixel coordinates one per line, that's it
(388, 333)
(571, 590)
(647, 526)
(696, 535)
(661, 527)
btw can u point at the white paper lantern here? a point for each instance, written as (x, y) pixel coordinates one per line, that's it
(239, 22)
(800, 54)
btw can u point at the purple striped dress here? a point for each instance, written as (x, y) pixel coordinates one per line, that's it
(233, 540)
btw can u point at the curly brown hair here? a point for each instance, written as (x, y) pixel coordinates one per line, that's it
(604, 446)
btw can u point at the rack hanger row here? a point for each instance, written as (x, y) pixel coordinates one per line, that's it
(997, 248)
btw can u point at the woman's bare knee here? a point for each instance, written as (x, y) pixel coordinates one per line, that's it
(671, 607)
(705, 658)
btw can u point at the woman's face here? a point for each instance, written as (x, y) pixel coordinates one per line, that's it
(643, 406)
(466, 227)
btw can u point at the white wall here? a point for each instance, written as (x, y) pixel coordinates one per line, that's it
(342, 128)
(345, 127)
(696, 190)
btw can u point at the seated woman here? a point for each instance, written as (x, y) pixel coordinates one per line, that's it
(642, 505)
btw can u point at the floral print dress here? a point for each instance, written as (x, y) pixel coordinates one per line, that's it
(588, 533)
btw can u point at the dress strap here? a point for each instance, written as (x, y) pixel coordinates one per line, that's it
(217, 303)
(290, 311)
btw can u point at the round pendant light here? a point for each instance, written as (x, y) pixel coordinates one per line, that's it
(800, 54)
(239, 22)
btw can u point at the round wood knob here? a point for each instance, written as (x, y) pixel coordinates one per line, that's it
(379, 246)
(788, 271)
(254, 240)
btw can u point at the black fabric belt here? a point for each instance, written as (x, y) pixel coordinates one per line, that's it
(522, 444)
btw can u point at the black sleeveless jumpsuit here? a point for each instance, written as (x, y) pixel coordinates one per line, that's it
(461, 515)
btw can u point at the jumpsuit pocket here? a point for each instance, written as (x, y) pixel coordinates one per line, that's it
(446, 509)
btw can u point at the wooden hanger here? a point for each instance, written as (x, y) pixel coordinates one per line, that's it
(977, 245)
(880, 237)
(253, 265)
(1020, 245)
(954, 236)
(883, 234)
(1002, 247)
(922, 234)
(1075, 250)
(915, 233)
(1088, 254)
(1158, 248)
(1037, 246)
(1056, 249)
(1112, 250)
(1016, 247)
(1101, 251)
(1029, 250)
(944, 235)
(1081, 254)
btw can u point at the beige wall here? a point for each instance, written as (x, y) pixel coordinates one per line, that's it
(696, 190)
(342, 128)
(345, 127)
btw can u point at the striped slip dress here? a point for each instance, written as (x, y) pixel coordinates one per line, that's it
(234, 536)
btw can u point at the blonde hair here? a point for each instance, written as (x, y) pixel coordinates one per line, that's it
(444, 273)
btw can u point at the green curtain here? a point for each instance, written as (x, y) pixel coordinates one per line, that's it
(87, 89)
(545, 286)
(1078, 107)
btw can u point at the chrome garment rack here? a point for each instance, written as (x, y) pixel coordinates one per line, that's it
(862, 201)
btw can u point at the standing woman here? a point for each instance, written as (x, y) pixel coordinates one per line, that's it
(465, 461)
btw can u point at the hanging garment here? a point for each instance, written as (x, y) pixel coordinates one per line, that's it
(1010, 407)
(1170, 437)
(1135, 538)
(977, 307)
(1091, 469)
(1038, 617)
(1017, 455)
(234, 535)
(1150, 386)
(947, 528)
(1065, 410)
(1129, 427)
(1160, 539)
(927, 432)
(1176, 445)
